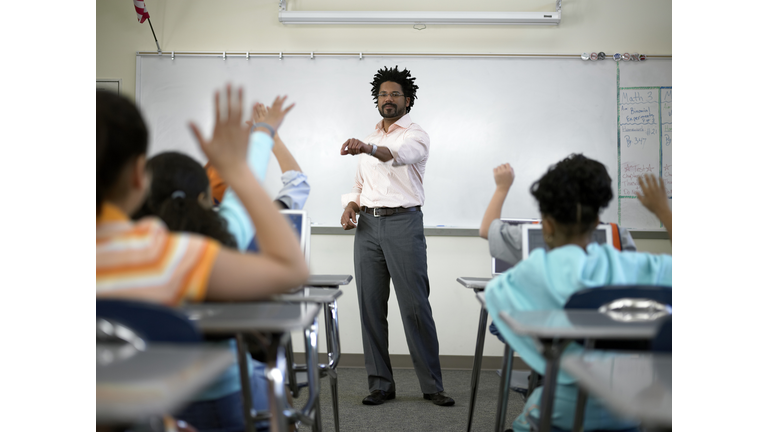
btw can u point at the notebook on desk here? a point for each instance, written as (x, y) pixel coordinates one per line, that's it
(533, 238)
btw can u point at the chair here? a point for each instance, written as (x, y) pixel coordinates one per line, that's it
(594, 298)
(151, 322)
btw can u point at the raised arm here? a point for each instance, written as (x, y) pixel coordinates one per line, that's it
(654, 198)
(280, 266)
(504, 176)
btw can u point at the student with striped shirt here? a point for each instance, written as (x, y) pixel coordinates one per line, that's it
(143, 260)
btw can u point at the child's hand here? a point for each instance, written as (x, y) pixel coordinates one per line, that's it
(228, 147)
(273, 115)
(504, 176)
(654, 195)
(259, 114)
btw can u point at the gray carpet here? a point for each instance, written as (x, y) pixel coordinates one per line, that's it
(409, 411)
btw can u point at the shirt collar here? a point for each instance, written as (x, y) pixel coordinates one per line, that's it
(404, 122)
(111, 213)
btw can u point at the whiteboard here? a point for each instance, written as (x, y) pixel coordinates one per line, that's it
(478, 112)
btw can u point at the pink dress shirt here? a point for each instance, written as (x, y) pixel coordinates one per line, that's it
(398, 182)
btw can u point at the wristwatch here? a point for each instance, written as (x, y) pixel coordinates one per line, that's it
(374, 147)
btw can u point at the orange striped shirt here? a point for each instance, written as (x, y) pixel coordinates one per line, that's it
(144, 261)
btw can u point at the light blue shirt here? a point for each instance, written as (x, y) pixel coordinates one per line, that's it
(231, 209)
(546, 280)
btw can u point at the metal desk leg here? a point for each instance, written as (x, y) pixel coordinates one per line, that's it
(313, 402)
(501, 407)
(477, 364)
(276, 368)
(291, 368)
(552, 351)
(581, 401)
(334, 354)
(245, 383)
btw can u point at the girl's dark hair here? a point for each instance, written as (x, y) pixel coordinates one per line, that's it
(177, 181)
(401, 77)
(121, 136)
(574, 191)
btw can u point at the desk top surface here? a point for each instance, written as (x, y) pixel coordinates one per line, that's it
(276, 317)
(474, 282)
(577, 324)
(311, 294)
(637, 386)
(328, 280)
(132, 385)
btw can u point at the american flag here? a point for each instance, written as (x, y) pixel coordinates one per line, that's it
(141, 11)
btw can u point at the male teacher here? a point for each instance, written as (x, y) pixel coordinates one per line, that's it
(388, 193)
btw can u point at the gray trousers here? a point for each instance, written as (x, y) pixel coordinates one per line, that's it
(394, 247)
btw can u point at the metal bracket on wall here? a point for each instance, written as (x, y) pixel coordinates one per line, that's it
(281, 5)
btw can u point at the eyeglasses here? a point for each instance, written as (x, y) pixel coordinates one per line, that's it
(393, 94)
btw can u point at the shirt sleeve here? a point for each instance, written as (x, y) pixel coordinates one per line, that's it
(627, 243)
(415, 147)
(295, 190)
(202, 252)
(505, 241)
(231, 209)
(357, 190)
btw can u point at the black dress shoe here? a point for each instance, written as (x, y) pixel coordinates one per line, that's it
(439, 398)
(377, 397)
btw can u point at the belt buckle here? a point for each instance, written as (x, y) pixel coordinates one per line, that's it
(374, 212)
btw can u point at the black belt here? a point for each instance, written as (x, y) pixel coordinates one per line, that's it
(388, 211)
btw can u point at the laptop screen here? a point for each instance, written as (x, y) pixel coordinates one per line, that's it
(299, 221)
(533, 238)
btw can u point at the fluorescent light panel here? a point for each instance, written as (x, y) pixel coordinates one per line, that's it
(431, 17)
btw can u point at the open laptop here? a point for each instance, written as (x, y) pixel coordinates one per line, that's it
(299, 220)
(533, 238)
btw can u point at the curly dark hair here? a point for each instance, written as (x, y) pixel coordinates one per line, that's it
(401, 77)
(177, 181)
(574, 191)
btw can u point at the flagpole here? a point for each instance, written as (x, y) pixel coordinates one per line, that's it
(159, 51)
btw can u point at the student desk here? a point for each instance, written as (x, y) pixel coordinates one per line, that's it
(328, 281)
(132, 385)
(278, 319)
(326, 297)
(555, 329)
(636, 386)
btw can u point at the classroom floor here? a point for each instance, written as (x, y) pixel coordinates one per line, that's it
(409, 411)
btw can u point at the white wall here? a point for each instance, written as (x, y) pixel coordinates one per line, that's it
(643, 26)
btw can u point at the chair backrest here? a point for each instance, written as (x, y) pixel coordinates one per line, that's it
(663, 340)
(151, 322)
(593, 298)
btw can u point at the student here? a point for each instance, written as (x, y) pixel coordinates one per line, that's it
(570, 195)
(143, 260)
(505, 241)
(180, 195)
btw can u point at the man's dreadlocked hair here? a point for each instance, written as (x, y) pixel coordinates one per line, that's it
(401, 77)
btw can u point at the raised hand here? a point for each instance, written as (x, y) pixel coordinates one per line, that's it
(653, 195)
(504, 176)
(228, 147)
